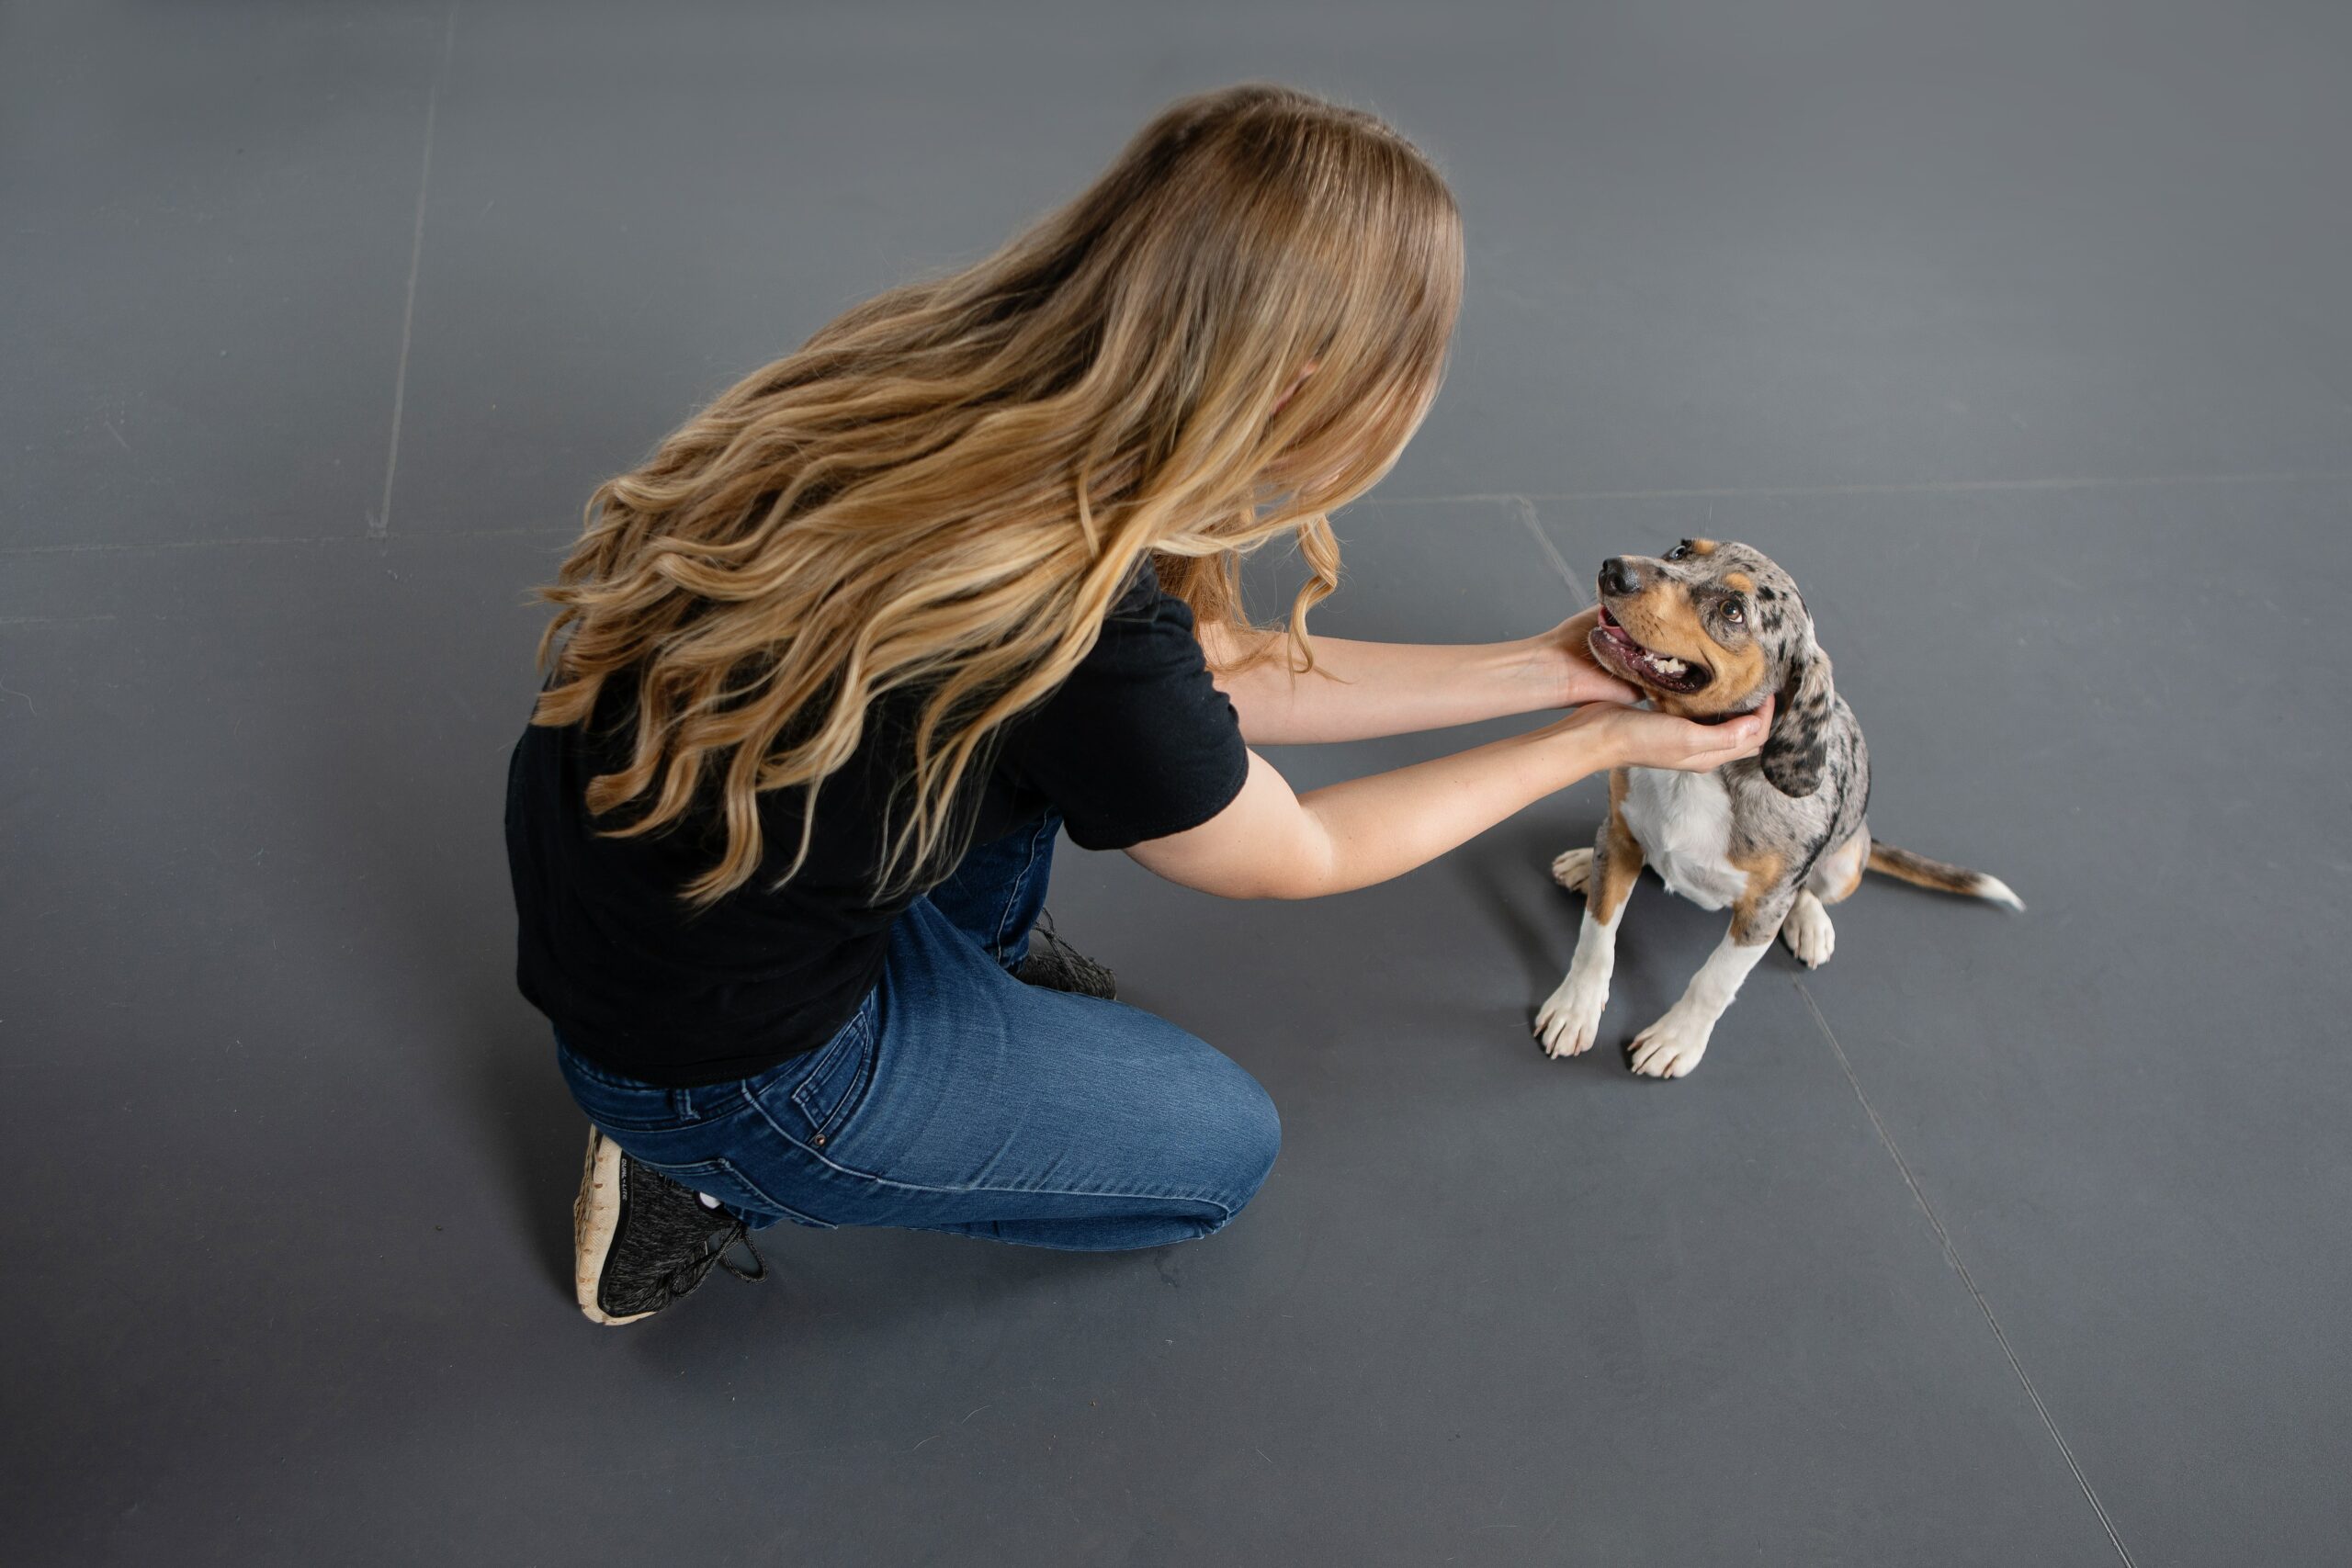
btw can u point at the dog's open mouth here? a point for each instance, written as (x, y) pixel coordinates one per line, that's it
(1660, 670)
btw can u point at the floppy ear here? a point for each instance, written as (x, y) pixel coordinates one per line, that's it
(1798, 748)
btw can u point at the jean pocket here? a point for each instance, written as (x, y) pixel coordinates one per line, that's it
(824, 1094)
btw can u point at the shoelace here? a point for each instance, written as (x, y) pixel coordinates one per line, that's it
(1045, 928)
(692, 1274)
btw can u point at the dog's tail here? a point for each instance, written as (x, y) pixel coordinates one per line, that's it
(1921, 872)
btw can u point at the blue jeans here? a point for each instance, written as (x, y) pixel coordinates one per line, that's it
(958, 1099)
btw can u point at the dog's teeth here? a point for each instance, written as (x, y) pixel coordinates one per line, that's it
(1668, 666)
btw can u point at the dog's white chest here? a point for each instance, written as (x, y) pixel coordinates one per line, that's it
(1683, 821)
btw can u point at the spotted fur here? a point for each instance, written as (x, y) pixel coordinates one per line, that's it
(1707, 631)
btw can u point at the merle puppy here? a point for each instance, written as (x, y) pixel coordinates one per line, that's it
(1706, 632)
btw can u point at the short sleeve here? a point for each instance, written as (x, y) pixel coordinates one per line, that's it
(1139, 742)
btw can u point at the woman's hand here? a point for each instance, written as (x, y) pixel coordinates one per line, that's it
(1633, 738)
(1563, 659)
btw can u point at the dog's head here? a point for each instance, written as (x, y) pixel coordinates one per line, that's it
(1707, 630)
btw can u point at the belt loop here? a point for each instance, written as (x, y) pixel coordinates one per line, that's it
(681, 1104)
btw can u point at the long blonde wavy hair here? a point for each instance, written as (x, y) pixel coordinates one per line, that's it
(942, 491)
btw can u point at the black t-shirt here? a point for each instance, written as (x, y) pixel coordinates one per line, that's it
(1137, 743)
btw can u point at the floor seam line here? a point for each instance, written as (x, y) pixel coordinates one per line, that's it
(1523, 504)
(1930, 487)
(380, 524)
(1951, 1256)
(1526, 510)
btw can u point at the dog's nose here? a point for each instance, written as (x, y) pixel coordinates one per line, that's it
(1620, 576)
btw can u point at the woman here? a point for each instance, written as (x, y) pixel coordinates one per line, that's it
(832, 670)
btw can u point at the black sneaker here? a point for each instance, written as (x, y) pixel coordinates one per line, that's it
(1057, 966)
(639, 1241)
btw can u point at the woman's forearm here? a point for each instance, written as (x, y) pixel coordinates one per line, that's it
(1386, 824)
(1359, 690)
(1271, 843)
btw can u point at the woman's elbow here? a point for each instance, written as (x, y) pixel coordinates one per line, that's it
(1306, 875)
(1253, 878)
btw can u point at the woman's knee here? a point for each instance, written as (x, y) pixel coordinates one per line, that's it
(1246, 1134)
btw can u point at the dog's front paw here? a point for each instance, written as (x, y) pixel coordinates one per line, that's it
(1570, 1020)
(1573, 870)
(1808, 931)
(1671, 1047)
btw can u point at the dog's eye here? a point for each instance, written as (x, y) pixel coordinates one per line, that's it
(1734, 612)
(1679, 552)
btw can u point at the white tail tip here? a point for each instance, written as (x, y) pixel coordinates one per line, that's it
(1994, 890)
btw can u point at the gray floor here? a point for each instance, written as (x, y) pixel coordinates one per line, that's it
(2018, 332)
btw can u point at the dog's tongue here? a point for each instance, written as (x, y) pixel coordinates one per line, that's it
(1663, 668)
(1620, 636)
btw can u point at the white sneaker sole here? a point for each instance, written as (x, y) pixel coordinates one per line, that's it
(596, 1216)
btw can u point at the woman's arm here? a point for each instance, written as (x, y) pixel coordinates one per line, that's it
(1358, 690)
(1271, 843)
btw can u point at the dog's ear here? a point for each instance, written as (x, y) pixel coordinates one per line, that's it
(1798, 748)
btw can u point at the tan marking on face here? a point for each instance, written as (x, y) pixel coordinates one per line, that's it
(1739, 581)
(1663, 618)
(1738, 676)
(1703, 547)
(1764, 869)
(1619, 864)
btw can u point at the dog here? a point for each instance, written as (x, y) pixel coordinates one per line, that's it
(1707, 631)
